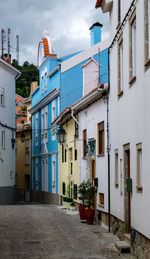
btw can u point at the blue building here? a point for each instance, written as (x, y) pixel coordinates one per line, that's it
(61, 83)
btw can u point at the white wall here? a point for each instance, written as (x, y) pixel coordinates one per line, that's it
(88, 119)
(8, 116)
(130, 122)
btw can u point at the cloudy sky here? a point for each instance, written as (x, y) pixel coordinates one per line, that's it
(66, 21)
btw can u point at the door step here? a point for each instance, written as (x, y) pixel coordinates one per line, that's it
(127, 238)
(123, 246)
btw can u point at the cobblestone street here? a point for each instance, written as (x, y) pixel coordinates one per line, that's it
(46, 231)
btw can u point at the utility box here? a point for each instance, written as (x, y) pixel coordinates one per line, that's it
(129, 185)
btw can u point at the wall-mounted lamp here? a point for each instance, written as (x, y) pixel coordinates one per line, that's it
(61, 135)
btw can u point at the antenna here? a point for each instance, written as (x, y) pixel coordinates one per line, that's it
(8, 41)
(3, 40)
(17, 48)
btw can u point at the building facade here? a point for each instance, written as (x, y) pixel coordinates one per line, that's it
(8, 76)
(129, 118)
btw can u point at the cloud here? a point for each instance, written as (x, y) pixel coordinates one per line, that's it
(67, 22)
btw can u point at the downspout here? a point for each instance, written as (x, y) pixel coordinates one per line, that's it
(108, 148)
(74, 117)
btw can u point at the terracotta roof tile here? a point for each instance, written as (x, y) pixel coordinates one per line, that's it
(98, 3)
(46, 47)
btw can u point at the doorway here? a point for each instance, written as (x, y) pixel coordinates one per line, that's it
(127, 195)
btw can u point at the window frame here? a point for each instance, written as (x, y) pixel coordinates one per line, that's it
(84, 143)
(146, 33)
(139, 171)
(120, 66)
(132, 48)
(101, 138)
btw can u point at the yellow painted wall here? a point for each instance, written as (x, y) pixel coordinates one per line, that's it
(22, 169)
(64, 167)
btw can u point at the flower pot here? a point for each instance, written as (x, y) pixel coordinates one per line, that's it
(68, 205)
(82, 212)
(89, 214)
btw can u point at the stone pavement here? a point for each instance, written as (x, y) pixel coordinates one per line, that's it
(41, 231)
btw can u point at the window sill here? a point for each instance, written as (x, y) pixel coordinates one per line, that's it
(84, 157)
(139, 188)
(147, 63)
(132, 81)
(120, 93)
(101, 205)
(100, 155)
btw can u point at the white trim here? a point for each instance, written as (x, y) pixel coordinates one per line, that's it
(79, 58)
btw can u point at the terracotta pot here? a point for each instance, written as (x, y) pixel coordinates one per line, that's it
(89, 214)
(82, 212)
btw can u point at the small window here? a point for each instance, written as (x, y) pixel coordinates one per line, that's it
(27, 151)
(84, 143)
(3, 139)
(76, 130)
(116, 169)
(75, 191)
(63, 188)
(65, 155)
(101, 199)
(139, 167)
(132, 49)
(147, 31)
(2, 97)
(120, 66)
(46, 81)
(100, 138)
(63, 160)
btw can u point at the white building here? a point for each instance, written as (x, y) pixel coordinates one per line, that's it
(8, 75)
(130, 114)
(92, 118)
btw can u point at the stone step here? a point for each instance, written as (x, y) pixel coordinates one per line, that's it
(127, 238)
(123, 246)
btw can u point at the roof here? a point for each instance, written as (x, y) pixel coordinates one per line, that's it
(16, 71)
(61, 115)
(98, 3)
(96, 24)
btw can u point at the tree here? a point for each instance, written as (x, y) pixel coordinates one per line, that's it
(29, 73)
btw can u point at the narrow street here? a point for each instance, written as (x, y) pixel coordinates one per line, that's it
(46, 231)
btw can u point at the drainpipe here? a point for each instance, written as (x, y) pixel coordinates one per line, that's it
(108, 148)
(74, 117)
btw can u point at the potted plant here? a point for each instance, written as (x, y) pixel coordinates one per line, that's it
(69, 200)
(72, 206)
(89, 210)
(64, 201)
(82, 197)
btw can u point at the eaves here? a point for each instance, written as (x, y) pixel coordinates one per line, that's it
(46, 100)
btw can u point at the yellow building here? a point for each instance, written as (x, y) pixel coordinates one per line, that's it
(23, 157)
(68, 156)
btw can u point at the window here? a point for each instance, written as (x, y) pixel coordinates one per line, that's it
(100, 138)
(147, 31)
(76, 130)
(120, 66)
(84, 143)
(63, 188)
(63, 153)
(42, 84)
(36, 129)
(27, 157)
(116, 169)
(46, 81)
(53, 110)
(36, 173)
(46, 123)
(139, 167)
(75, 191)
(53, 173)
(2, 97)
(132, 49)
(3, 139)
(75, 150)
(101, 199)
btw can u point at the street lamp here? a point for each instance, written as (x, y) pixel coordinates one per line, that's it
(61, 135)
(22, 136)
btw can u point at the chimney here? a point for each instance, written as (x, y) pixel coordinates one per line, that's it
(7, 58)
(95, 33)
